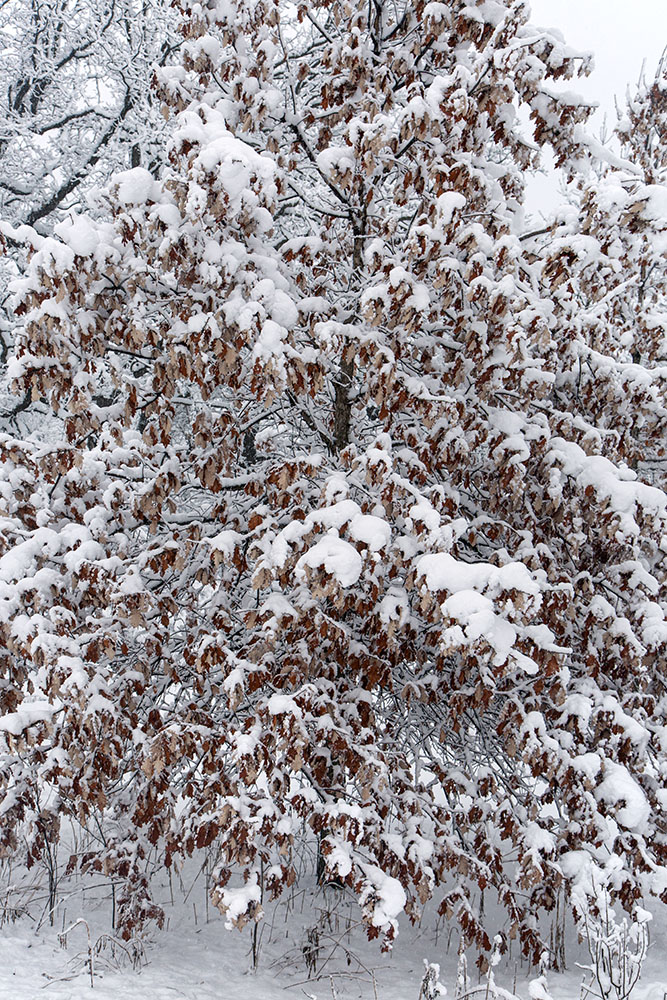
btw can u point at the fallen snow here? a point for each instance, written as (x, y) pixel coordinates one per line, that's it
(196, 959)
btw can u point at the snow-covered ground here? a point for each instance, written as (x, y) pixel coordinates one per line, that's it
(308, 946)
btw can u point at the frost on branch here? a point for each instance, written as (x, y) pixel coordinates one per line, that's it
(337, 530)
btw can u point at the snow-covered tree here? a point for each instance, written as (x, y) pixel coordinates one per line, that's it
(75, 105)
(76, 100)
(606, 269)
(326, 539)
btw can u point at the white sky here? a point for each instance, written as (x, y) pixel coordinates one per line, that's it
(621, 34)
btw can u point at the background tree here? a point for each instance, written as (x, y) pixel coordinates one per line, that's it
(605, 269)
(76, 98)
(75, 104)
(324, 540)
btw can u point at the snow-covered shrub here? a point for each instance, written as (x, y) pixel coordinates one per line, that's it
(431, 988)
(617, 949)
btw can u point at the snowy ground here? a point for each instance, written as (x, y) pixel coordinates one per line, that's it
(195, 958)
